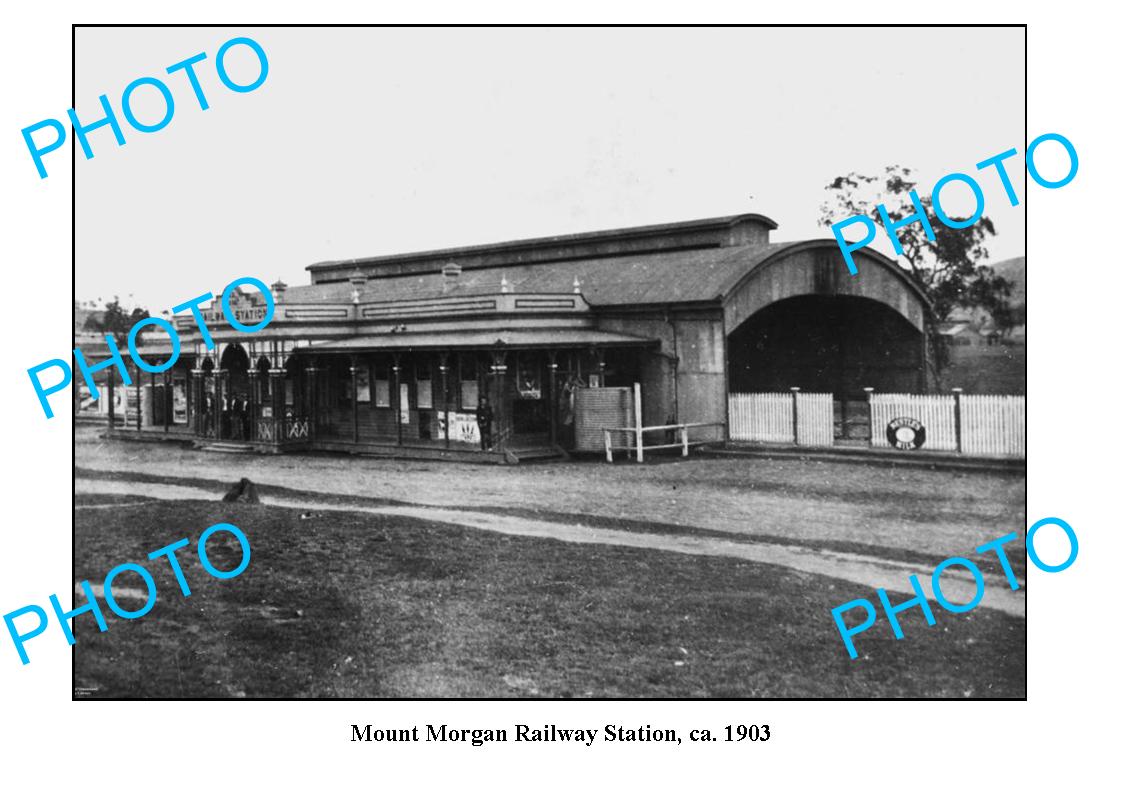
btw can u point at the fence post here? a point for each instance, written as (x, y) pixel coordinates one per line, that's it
(639, 425)
(795, 415)
(139, 382)
(608, 446)
(684, 441)
(869, 405)
(112, 408)
(957, 392)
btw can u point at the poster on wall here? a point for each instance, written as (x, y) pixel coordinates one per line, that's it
(403, 403)
(362, 385)
(529, 381)
(462, 427)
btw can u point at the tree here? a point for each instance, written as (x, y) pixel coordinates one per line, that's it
(115, 320)
(947, 269)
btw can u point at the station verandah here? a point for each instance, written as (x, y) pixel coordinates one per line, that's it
(398, 401)
(397, 354)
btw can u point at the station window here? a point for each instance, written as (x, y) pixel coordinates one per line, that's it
(469, 383)
(423, 376)
(382, 384)
(362, 384)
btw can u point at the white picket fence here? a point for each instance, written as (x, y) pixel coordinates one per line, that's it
(815, 417)
(935, 412)
(768, 417)
(761, 417)
(993, 425)
(988, 425)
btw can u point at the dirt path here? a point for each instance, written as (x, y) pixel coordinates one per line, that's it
(938, 513)
(863, 570)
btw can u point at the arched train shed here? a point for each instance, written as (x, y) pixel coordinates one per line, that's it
(396, 354)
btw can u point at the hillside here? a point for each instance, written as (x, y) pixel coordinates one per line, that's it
(1014, 269)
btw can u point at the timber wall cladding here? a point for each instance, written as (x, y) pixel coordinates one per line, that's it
(598, 408)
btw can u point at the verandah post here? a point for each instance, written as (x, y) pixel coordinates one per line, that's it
(443, 367)
(553, 396)
(499, 419)
(354, 372)
(253, 402)
(795, 415)
(869, 405)
(277, 397)
(396, 399)
(639, 424)
(139, 384)
(167, 401)
(221, 397)
(196, 407)
(313, 385)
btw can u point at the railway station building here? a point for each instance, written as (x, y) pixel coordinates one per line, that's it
(404, 354)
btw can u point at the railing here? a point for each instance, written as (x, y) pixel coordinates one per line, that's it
(265, 429)
(284, 429)
(296, 427)
(683, 443)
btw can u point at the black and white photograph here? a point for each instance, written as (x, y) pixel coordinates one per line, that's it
(571, 398)
(527, 364)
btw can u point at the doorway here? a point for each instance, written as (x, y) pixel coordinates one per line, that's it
(234, 420)
(530, 411)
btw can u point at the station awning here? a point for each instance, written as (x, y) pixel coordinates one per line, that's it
(501, 338)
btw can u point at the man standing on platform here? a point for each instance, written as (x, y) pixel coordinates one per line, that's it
(483, 420)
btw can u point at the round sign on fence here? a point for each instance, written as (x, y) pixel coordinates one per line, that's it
(905, 433)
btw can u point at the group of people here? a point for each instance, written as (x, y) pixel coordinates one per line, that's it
(234, 419)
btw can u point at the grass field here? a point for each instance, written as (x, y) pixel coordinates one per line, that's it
(348, 605)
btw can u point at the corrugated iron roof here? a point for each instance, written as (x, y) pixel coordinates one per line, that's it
(698, 275)
(658, 230)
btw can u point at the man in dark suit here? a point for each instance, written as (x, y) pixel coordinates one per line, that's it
(484, 418)
(238, 417)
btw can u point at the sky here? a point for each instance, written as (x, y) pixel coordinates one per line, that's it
(368, 141)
